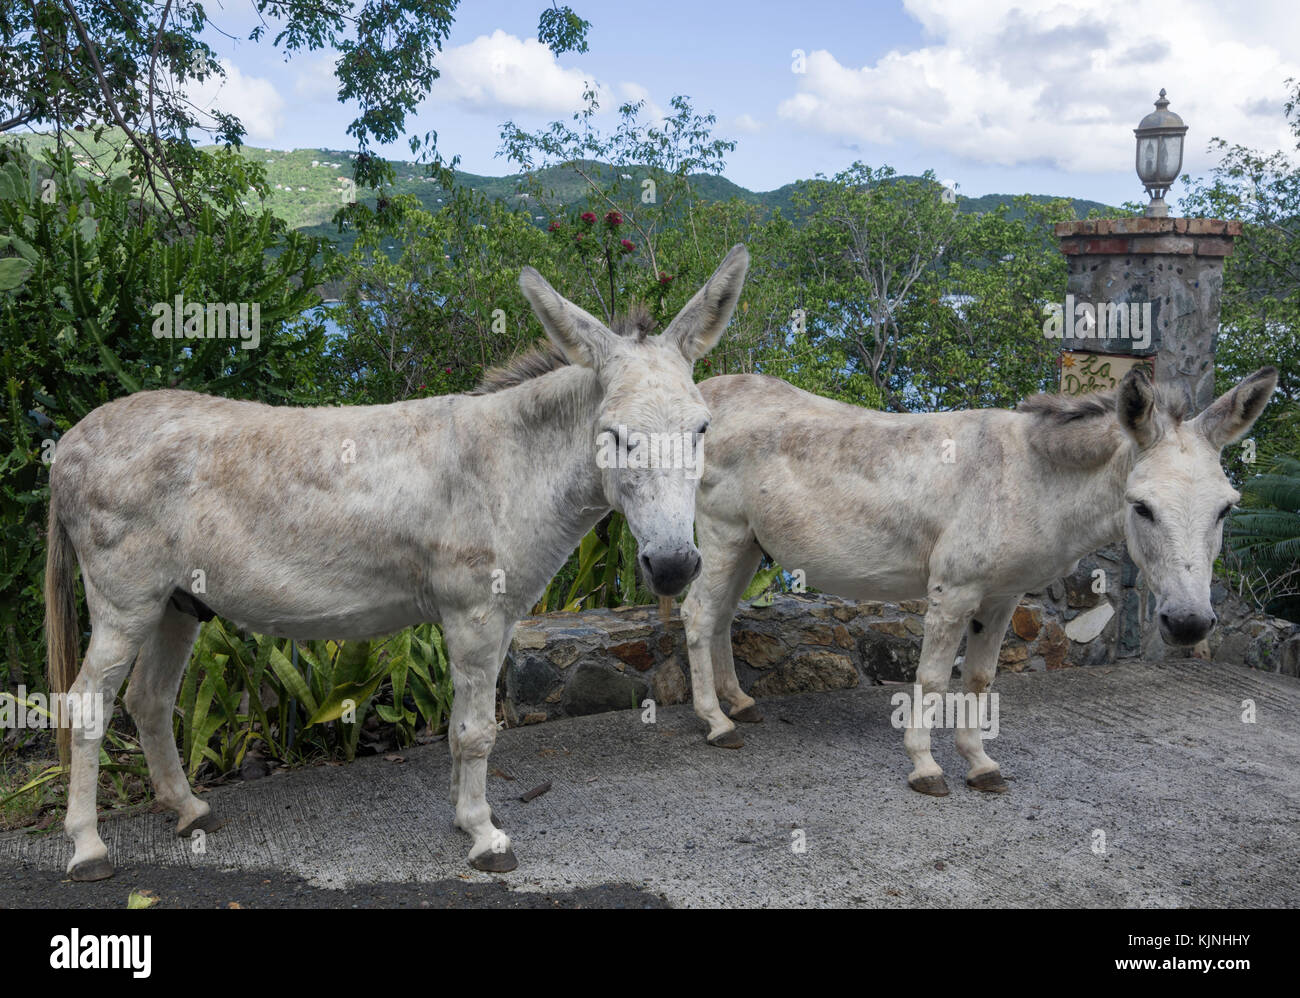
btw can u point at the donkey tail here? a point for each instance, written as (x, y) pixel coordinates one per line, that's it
(61, 635)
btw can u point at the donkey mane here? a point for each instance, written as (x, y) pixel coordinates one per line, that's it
(1083, 430)
(534, 362)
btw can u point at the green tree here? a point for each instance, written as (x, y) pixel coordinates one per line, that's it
(1260, 319)
(448, 306)
(972, 334)
(868, 238)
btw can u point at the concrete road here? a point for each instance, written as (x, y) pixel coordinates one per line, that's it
(1136, 785)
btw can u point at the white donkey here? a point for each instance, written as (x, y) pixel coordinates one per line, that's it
(358, 521)
(970, 509)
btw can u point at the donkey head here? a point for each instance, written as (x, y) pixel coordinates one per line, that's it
(1178, 495)
(647, 437)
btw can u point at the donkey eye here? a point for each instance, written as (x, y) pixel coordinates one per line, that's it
(1144, 511)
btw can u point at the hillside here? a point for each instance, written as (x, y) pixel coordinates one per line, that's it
(307, 186)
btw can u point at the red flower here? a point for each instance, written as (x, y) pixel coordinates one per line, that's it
(628, 245)
(553, 227)
(447, 369)
(665, 278)
(578, 238)
(588, 217)
(614, 220)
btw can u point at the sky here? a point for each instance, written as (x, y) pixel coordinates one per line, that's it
(995, 96)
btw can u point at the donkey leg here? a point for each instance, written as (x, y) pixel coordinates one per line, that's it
(726, 684)
(472, 647)
(983, 640)
(453, 738)
(150, 699)
(708, 609)
(108, 659)
(944, 622)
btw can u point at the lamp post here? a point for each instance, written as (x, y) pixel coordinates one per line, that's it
(1159, 154)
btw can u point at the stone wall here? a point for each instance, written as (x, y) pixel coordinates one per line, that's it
(566, 664)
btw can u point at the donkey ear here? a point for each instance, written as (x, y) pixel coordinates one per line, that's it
(1231, 416)
(580, 336)
(1135, 405)
(699, 325)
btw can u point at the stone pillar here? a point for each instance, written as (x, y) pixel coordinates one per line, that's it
(1174, 266)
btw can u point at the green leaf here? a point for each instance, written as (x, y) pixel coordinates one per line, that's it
(343, 696)
(14, 272)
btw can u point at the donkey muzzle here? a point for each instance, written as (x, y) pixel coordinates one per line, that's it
(668, 573)
(1184, 627)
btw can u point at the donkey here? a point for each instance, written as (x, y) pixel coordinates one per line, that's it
(357, 521)
(970, 509)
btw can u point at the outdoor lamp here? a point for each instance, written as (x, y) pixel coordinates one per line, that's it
(1159, 154)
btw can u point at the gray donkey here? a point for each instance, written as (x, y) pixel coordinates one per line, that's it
(970, 509)
(357, 521)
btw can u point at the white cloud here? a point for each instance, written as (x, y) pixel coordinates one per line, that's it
(502, 72)
(1015, 82)
(252, 99)
(316, 80)
(746, 123)
(633, 92)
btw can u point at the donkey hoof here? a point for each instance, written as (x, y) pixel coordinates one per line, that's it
(750, 715)
(990, 782)
(934, 786)
(495, 862)
(728, 739)
(92, 869)
(203, 823)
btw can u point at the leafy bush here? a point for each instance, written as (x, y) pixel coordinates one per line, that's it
(82, 264)
(1264, 537)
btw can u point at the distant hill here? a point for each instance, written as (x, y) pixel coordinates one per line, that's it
(307, 186)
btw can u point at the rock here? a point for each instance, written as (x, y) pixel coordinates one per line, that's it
(894, 628)
(254, 767)
(1078, 585)
(818, 635)
(1053, 645)
(762, 651)
(668, 685)
(886, 657)
(529, 679)
(914, 605)
(1026, 622)
(845, 613)
(914, 625)
(564, 654)
(529, 638)
(1012, 655)
(1130, 624)
(535, 717)
(594, 689)
(815, 670)
(635, 653)
(1088, 626)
